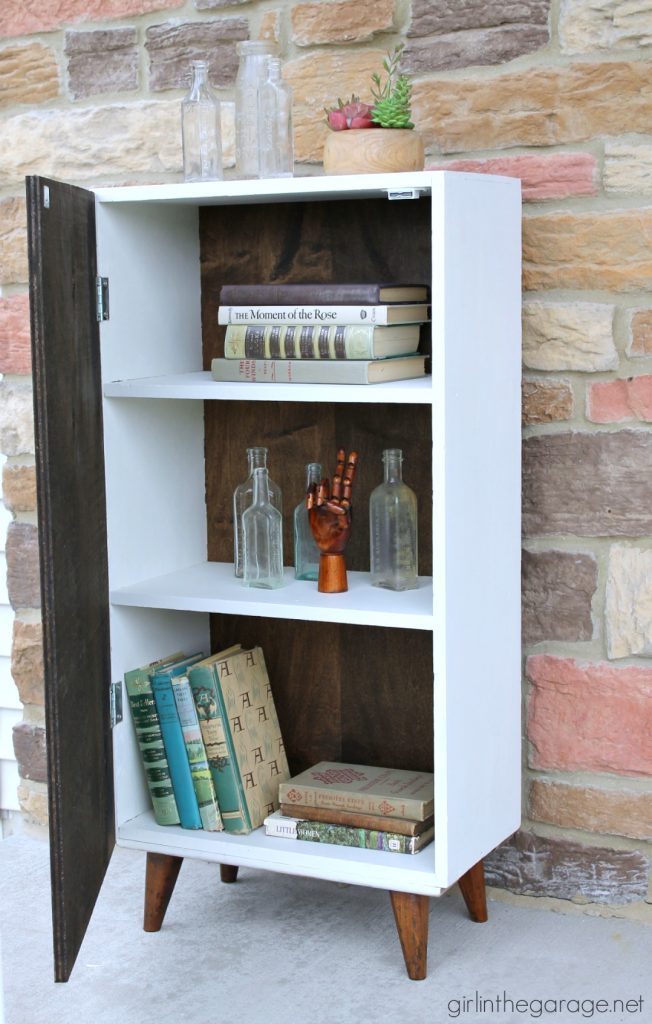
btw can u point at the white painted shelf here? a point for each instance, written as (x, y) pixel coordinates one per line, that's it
(399, 871)
(201, 386)
(212, 587)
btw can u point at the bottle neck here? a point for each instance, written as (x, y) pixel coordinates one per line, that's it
(274, 69)
(392, 461)
(261, 487)
(199, 74)
(257, 458)
(313, 473)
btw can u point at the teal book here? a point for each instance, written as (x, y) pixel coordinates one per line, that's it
(175, 747)
(150, 739)
(201, 775)
(241, 734)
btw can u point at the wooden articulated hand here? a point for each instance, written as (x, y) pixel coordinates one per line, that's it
(330, 515)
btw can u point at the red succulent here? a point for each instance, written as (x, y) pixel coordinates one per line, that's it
(352, 114)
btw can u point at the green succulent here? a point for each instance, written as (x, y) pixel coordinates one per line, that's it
(392, 97)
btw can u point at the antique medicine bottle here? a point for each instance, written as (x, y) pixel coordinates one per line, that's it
(262, 534)
(306, 552)
(275, 137)
(200, 128)
(252, 73)
(243, 497)
(393, 528)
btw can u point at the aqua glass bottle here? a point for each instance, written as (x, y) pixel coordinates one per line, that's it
(393, 528)
(306, 552)
(242, 499)
(262, 534)
(200, 129)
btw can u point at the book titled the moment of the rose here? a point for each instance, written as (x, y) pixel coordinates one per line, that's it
(318, 371)
(393, 792)
(345, 835)
(241, 734)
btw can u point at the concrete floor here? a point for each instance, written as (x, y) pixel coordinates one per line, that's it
(277, 950)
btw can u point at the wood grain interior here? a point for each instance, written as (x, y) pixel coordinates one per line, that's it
(345, 693)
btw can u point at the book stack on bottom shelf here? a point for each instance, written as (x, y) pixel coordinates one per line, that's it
(372, 808)
(321, 333)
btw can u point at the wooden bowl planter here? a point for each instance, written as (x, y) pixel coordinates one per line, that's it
(373, 150)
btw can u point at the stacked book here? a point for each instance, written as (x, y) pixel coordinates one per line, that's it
(321, 333)
(371, 808)
(207, 766)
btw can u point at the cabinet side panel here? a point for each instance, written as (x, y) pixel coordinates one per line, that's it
(476, 525)
(72, 542)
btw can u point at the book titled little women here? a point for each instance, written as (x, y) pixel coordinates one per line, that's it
(241, 734)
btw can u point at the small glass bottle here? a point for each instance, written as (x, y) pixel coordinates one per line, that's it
(252, 73)
(393, 528)
(306, 552)
(275, 136)
(200, 129)
(262, 534)
(242, 499)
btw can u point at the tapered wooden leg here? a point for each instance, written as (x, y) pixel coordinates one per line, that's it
(411, 916)
(473, 890)
(160, 878)
(228, 872)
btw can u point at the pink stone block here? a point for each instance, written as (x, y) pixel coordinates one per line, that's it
(542, 177)
(589, 716)
(612, 401)
(19, 18)
(15, 354)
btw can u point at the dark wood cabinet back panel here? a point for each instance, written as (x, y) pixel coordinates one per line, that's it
(344, 693)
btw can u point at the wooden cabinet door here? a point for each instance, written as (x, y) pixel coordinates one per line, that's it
(72, 547)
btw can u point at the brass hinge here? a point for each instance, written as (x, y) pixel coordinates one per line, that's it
(115, 703)
(102, 298)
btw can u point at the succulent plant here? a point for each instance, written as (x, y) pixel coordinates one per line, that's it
(391, 106)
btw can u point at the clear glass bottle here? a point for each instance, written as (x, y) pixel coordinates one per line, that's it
(306, 552)
(262, 535)
(242, 499)
(393, 528)
(252, 73)
(200, 129)
(275, 135)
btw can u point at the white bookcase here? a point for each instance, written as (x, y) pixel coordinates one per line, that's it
(163, 589)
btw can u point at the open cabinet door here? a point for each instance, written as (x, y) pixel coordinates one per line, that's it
(72, 546)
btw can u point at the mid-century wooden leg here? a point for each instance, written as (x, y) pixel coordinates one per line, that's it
(411, 916)
(160, 878)
(473, 890)
(228, 872)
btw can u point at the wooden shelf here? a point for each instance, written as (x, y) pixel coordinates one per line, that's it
(212, 587)
(201, 386)
(398, 871)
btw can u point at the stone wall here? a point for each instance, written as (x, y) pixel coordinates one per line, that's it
(555, 92)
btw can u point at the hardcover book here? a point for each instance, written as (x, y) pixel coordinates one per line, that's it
(324, 316)
(289, 341)
(150, 739)
(314, 292)
(381, 822)
(316, 371)
(392, 792)
(175, 748)
(345, 835)
(241, 733)
(209, 810)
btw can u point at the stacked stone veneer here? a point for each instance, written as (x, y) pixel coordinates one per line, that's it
(556, 92)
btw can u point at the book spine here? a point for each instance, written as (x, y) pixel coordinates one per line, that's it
(290, 341)
(377, 821)
(201, 777)
(288, 371)
(362, 838)
(364, 803)
(327, 293)
(303, 316)
(218, 742)
(175, 750)
(281, 827)
(152, 749)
